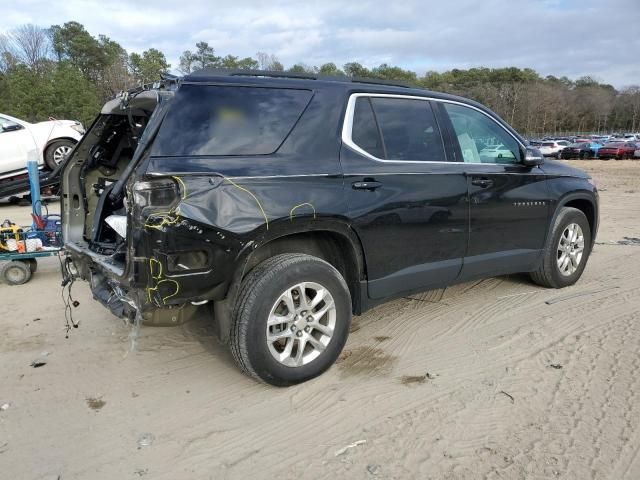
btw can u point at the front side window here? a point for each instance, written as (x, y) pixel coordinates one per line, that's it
(229, 120)
(8, 125)
(480, 138)
(400, 129)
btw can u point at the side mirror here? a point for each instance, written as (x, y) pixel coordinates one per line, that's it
(11, 127)
(532, 157)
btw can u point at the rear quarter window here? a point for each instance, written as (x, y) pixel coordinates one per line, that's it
(229, 120)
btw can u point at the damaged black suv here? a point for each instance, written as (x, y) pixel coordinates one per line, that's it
(281, 205)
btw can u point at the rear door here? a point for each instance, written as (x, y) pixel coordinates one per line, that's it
(408, 204)
(508, 202)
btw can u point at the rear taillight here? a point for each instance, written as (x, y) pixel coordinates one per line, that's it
(161, 193)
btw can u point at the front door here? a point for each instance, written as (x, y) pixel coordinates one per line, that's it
(508, 201)
(408, 204)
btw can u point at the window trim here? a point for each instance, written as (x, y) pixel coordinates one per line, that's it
(347, 126)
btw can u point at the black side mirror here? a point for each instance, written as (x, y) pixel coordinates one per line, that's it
(11, 127)
(532, 157)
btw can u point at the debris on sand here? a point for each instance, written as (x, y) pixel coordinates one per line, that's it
(343, 450)
(95, 403)
(373, 469)
(513, 400)
(146, 440)
(557, 366)
(38, 363)
(410, 379)
(5, 406)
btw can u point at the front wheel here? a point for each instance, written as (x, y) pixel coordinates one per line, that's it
(57, 152)
(291, 319)
(567, 250)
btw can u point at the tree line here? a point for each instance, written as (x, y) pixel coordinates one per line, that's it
(65, 72)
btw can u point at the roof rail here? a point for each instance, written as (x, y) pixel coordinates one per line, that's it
(230, 72)
(378, 81)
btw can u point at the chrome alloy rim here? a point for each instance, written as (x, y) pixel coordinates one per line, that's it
(301, 324)
(570, 249)
(60, 152)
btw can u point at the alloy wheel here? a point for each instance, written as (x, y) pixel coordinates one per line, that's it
(301, 324)
(570, 249)
(60, 153)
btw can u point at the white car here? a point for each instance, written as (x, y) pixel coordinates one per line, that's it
(553, 148)
(47, 142)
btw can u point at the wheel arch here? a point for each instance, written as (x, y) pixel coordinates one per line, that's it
(56, 139)
(586, 204)
(333, 242)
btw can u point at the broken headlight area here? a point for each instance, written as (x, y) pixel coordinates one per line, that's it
(157, 193)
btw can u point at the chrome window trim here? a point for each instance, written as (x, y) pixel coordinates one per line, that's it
(347, 126)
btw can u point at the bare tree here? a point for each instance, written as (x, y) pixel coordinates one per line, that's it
(30, 45)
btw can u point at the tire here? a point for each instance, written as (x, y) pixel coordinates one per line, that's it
(549, 273)
(33, 265)
(56, 152)
(15, 272)
(259, 296)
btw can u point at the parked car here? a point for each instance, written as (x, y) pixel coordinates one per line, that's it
(636, 154)
(48, 142)
(617, 150)
(289, 204)
(581, 150)
(553, 148)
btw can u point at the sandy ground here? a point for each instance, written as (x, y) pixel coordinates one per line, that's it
(495, 379)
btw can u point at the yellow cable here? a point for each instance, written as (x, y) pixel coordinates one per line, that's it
(301, 205)
(254, 197)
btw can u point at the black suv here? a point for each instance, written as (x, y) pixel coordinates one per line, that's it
(282, 205)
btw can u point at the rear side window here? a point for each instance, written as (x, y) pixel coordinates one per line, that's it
(408, 128)
(229, 120)
(365, 131)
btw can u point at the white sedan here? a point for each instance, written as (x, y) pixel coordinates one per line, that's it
(47, 142)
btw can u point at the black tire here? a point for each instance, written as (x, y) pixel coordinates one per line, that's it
(15, 272)
(259, 291)
(33, 265)
(548, 274)
(50, 152)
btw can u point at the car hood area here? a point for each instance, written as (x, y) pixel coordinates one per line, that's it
(554, 167)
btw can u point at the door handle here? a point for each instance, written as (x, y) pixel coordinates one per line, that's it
(482, 182)
(367, 185)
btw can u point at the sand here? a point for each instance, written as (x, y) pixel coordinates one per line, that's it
(496, 379)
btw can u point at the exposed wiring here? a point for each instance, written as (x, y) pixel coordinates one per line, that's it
(158, 280)
(69, 303)
(302, 205)
(254, 197)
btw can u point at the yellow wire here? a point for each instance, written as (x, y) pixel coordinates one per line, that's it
(301, 205)
(254, 197)
(184, 187)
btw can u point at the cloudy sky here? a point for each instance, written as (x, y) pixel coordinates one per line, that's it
(559, 37)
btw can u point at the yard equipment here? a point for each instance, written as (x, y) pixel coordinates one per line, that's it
(20, 247)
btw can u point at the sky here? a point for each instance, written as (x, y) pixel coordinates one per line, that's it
(554, 37)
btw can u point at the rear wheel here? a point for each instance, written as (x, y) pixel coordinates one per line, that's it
(291, 319)
(57, 152)
(567, 250)
(15, 272)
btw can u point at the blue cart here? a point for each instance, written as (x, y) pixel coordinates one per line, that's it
(21, 247)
